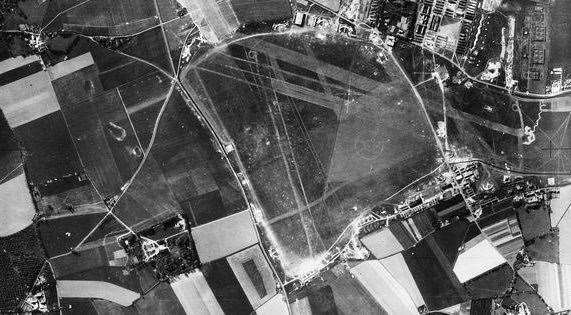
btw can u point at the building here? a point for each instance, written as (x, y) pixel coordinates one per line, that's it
(556, 80)
(395, 18)
(445, 25)
(538, 53)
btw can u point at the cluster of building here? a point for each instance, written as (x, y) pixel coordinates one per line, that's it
(471, 230)
(167, 247)
(558, 80)
(439, 25)
(445, 25)
(533, 45)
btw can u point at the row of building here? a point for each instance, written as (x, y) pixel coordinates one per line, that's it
(439, 25)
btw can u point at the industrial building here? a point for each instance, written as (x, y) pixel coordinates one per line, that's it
(445, 25)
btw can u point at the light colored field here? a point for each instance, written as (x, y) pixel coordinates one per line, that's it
(558, 206)
(300, 307)
(549, 283)
(69, 66)
(382, 243)
(225, 236)
(13, 63)
(397, 267)
(33, 97)
(195, 295)
(476, 260)
(16, 206)
(553, 283)
(378, 130)
(565, 272)
(334, 5)
(274, 306)
(28, 99)
(560, 105)
(96, 289)
(215, 19)
(384, 288)
(253, 253)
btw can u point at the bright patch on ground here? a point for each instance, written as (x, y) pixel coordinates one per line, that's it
(195, 295)
(16, 206)
(476, 260)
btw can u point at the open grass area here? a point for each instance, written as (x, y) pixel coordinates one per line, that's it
(50, 152)
(437, 283)
(488, 45)
(103, 14)
(105, 140)
(560, 32)
(550, 150)
(113, 69)
(195, 172)
(78, 306)
(487, 121)
(491, 284)
(534, 222)
(324, 130)
(226, 287)
(150, 46)
(183, 174)
(60, 235)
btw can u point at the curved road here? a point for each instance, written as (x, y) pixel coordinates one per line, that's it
(522, 96)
